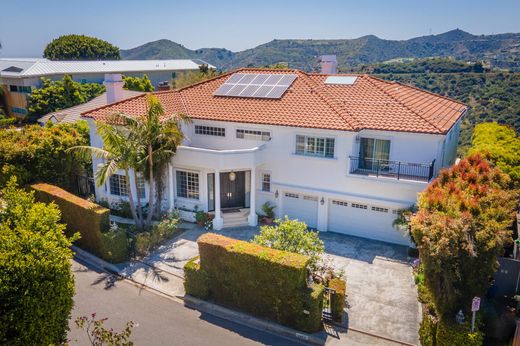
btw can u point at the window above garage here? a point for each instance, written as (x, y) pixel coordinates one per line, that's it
(315, 146)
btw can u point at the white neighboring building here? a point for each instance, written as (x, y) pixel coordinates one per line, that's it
(19, 76)
(341, 152)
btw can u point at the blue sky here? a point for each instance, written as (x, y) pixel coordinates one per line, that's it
(27, 26)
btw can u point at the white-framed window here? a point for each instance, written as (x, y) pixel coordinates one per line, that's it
(373, 152)
(141, 190)
(254, 135)
(118, 185)
(315, 146)
(187, 184)
(210, 130)
(266, 182)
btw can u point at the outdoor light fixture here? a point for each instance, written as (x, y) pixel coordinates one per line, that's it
(276, 194)
(322, 202)
(232, 176)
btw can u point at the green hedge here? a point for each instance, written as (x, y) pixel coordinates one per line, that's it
(5, 122)
(457, 335)
(87, 218)
(196, 280)
(338, 301)
(428, 330)
(262, 281)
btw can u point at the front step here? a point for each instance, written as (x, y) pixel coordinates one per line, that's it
(237, 219)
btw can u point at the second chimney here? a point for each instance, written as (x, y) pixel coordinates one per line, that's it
(328, 64)
(114, 86)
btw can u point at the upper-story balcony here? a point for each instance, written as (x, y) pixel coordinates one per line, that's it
(399, 170)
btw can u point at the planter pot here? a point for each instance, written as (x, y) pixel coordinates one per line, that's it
(200, 223)
(267, 220)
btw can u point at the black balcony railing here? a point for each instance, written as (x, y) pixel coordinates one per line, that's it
(392, 169)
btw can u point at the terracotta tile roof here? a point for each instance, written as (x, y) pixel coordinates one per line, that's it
(369, 103)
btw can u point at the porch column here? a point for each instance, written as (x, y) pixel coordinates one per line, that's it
(170, 186)
(218, 222)
(253, 218)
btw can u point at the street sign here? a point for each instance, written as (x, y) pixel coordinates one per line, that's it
(475, 304)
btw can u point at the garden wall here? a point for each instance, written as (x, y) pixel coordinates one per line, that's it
(262, 281)
(87, 218)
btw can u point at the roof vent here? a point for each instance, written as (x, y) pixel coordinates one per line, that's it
(341, 80)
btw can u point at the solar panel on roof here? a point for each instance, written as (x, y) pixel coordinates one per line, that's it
(259, 85)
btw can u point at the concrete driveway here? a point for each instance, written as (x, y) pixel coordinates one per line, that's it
(382, 296)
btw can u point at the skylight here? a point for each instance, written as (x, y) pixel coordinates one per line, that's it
(341, 80)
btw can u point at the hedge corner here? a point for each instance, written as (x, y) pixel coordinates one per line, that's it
(195, 279)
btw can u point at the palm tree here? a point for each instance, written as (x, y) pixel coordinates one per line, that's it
(141, 144)
(158, 139)
(117, 153)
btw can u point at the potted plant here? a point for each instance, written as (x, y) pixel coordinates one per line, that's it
(268, 210)
(201, 217)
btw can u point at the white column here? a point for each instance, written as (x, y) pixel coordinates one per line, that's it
(253, 218)
(170, 186)
(218, 222)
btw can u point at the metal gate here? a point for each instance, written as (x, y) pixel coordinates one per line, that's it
(328, 301)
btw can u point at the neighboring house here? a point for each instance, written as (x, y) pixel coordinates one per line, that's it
(73, 114)
(19, 76)
(341, 152)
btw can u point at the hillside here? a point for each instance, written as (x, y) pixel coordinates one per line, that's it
(502, 51)
(490, 95)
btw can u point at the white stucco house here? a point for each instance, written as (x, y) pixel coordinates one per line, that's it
(341, 152)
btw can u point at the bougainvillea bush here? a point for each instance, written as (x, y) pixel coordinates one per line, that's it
(461, 227)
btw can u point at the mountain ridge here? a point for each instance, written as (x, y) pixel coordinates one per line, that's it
(498, 50)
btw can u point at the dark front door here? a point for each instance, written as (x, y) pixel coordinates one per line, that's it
(232, 193)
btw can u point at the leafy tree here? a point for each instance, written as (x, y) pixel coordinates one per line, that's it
(138, 84)
(34, 153)
(36, 282)
(460, 229)
(80, 47)
(189, 78)
(99, 335)
(293, 236)
(56, 95)
(501, 145)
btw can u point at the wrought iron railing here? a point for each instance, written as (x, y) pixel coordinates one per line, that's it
(392, 169)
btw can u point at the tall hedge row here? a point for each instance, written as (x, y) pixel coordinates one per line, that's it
(87, 218)
(264, 282)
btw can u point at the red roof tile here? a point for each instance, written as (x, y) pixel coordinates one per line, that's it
(369, 103)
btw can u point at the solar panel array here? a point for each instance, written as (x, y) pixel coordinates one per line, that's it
(256, 85)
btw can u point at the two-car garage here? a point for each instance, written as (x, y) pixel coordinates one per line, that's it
(345, 216)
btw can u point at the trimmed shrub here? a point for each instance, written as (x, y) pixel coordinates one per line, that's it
(36, 280)
(89, 219)
(457, 335)
(196, 279)
(142, 243)
(115, 246)
(80, 215)
(262, 281)
(428, 330)
(338, 301)
(6, 122)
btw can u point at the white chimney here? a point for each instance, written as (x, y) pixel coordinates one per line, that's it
(328, 64)
(114, 86)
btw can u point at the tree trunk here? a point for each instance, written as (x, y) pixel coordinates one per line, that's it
(151, 198)
(139, 208)
(131, 200)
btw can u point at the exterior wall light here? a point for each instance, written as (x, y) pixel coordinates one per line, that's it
(322, 202)
(276, 194)
(232, 176)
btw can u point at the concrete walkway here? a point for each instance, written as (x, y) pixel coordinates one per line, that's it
(382, 296)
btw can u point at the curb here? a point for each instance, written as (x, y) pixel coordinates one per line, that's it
(88, 257)
(253, 322)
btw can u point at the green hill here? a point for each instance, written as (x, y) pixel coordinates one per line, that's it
(501, 51)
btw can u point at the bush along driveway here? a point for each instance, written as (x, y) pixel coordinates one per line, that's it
(382, 296)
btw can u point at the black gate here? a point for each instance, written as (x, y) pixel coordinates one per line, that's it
(328, 301)
(84, 185)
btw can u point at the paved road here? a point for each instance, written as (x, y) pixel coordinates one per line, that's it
(161, 320)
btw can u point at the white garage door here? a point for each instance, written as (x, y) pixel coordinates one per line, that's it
(364, 220)
(301, 207)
